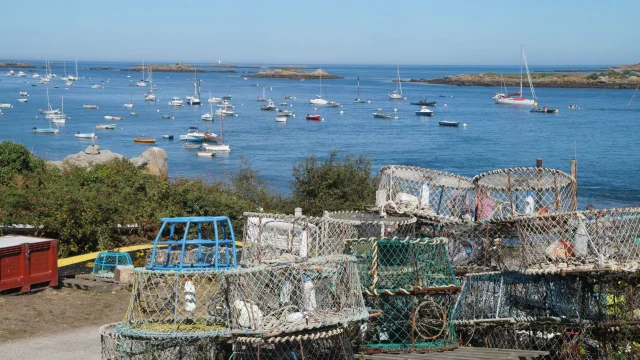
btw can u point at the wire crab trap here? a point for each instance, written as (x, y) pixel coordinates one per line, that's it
(176, 304)
(506, 194)
(359, 225)
(106, 262)
(480, 247)
(424, 193)
(325, 344)
(194, 243)
(409, 323)
(295, 296)
(594, 239)
(119, 347)
(405, 266)
(275, 237)
(515, 297)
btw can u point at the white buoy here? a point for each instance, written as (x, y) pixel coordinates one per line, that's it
(341, 112)
(396, 118)
(405, 98)
(445, 105)
(368, 101)
(294, 115)
(236, 115)
(464, 125)
(395, 110)
(158, 110)
(322, 119)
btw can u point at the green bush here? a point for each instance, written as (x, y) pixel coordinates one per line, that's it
(15, 160)
(593, 76)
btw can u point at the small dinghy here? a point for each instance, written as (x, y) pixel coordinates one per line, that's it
(80, 135)
(449, 123)
(90, 106)
(381, 116)
(168, 137)
(117, 118)
(281, 119)
(106, 126)
(206, 153)
(24, 93)
(544, 110)
(23, 100)
(166, 116)
(313, 117)
(192, 146)
(6, 106)
(144, 140)
(574, 107)
(333, 104)
(108, 117)
(133, 114)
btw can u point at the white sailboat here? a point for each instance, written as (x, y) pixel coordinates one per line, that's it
(397, 93)
(141, 83)
(318, 100)
(58, 118)
(130, 104)
(150, 96)
(263, 97)
(65, 78)
(219, 146)
(358, 99)
(195, 99)
(73, 78)
(208, 116)
(49, 110)
(517, 98)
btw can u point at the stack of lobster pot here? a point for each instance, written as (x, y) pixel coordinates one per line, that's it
(178, 307)
(297, 293)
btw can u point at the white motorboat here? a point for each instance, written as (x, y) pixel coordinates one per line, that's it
(106, 126)
(270, 106)
(517, 98)
(68, 83)
(11, 73)
(424, 111)
(45, 112)
(206, 153)
(130, 104)
(217, 147)
(333, 104)
(23, 100)
(318, 100)
(24, 93)
(80, 135)
(193, 100)
(21, 74)
(225, 104)
(281, 119)
(108, 117)
(214, 100)
(35, 76)
(285, 112)
(96, 86)
(224, 112)
(193, 135)
(176, 101)
(8, 106)
(90, 106)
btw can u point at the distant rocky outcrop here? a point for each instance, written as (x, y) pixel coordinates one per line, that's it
(177, 67)
(153, 161)
(15, 64)
(289, 73)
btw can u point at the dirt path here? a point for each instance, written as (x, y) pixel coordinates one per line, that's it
(72, 344)
(52, 312)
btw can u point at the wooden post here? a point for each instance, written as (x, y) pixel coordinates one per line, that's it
(574, 174)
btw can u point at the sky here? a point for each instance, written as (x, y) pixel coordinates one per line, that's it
(422, 32)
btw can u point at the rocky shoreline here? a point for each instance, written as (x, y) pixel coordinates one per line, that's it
(294, 74)
(17, 65)
(178, 67)
(548, 80)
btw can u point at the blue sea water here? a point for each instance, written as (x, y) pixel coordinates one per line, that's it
(602, 134)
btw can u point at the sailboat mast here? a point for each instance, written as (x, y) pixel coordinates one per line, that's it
(521, 55)
(399, 82)
(358, 87)
(65, 68)
(77, 78)
(142, 70)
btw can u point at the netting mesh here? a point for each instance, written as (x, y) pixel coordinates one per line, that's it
(176, 304)
(584, 239)
(115, 346)
(404, 323)
(105, 264)
(402, 265)
(295, 296)
(477, 247)
(509, 193)
(329, 344)
(426, 193)
(277, 237)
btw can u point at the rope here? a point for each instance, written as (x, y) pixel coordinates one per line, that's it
(290, 338)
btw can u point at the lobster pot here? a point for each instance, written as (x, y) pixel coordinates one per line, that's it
(509, 193)
(359, 225)
(295, 296)
(585, 239)
(479, 247)
(562, 341)
(106, 262)
(169, 304)
(520, 297)
(326, 344)
(427, 194)
(409, 323)
(402, 266)
(116, 346)
(276, 237)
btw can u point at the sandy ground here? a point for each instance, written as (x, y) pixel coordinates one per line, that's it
(57, 324)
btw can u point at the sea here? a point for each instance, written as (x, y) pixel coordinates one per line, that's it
(602, 135)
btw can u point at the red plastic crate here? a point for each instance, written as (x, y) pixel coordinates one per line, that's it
(25, 261)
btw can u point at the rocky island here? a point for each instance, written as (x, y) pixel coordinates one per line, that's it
(17, 65)
(177, 67)
(289, 73)
(621, 77)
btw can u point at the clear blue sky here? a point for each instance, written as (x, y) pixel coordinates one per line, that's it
(329, 32)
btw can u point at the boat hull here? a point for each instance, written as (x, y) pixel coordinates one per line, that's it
(313, 117)
(144, 140)
(516, 101)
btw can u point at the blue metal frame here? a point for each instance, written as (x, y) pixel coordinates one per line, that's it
(226, 244)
